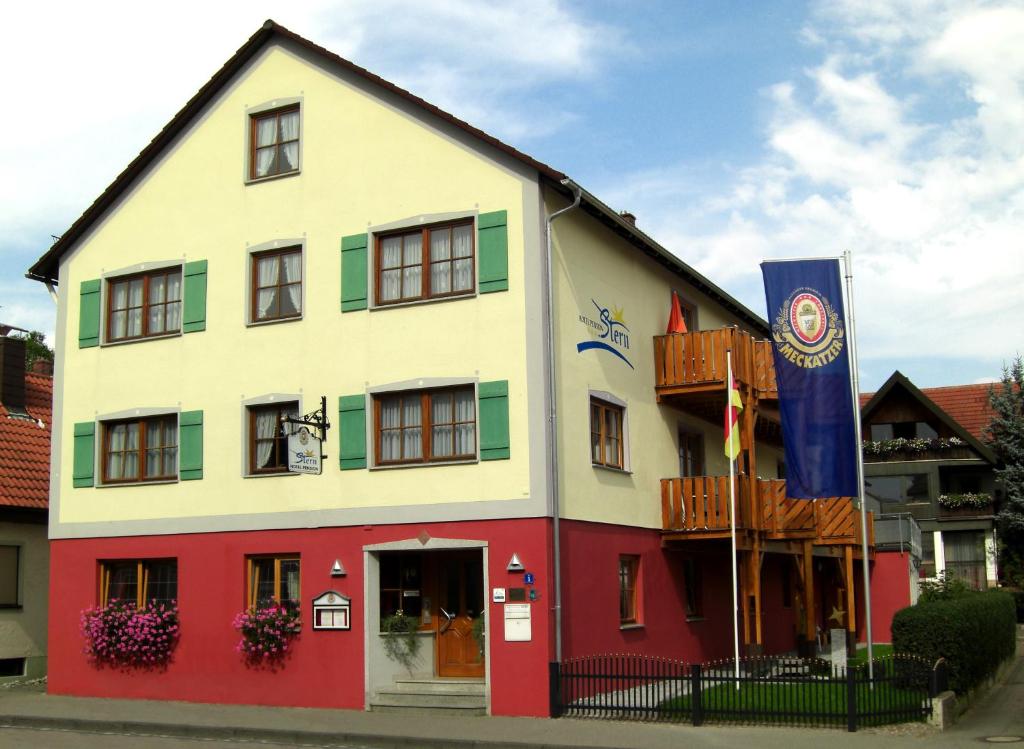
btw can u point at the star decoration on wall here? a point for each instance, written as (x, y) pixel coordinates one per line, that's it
(837, 615)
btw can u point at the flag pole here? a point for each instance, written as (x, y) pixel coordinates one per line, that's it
(855, 387)
(732, 516)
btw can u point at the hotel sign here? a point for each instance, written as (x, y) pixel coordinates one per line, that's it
(304, 452)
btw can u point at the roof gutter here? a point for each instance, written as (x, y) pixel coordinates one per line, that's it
(556, 511)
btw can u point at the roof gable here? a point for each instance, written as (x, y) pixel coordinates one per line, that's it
(46, 268)
(898, 382)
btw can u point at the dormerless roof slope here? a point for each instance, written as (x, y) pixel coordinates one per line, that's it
(25, 447)
(46, 268)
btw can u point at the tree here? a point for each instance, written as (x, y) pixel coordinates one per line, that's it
(1005, 435)
(35, 347)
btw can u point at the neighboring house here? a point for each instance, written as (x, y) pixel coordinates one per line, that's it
(24, 487)
(925, 456)
(304, 229)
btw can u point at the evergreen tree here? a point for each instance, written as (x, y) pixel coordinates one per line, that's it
(1005, 435)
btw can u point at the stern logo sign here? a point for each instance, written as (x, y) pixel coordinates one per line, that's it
(612, 333)
(807, 331)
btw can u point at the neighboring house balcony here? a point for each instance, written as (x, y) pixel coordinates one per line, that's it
(898, 531)
(697, 508)
(966, 506)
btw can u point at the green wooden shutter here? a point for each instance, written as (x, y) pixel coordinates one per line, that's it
(194, 314)
(89, 315)
(352, 431)
(492, 249)
(190, 441)
(353, 272)
(85, 454)
(494, 442)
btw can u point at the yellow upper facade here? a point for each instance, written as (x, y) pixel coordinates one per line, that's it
(363, 166)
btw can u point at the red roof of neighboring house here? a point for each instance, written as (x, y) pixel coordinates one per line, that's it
(25, 447)
(967, 405)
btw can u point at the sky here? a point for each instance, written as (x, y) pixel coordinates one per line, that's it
(735, 132)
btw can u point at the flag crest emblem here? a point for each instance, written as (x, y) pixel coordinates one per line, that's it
(807, 330)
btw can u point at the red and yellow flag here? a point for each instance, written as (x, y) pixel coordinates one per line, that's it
(732, 420)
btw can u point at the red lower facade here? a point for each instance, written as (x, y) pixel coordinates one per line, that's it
(331, 669)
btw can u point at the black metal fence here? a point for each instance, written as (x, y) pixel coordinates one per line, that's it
(770, 689)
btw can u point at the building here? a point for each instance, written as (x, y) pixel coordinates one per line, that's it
(535, 454)
(24, 486)
(925, 456)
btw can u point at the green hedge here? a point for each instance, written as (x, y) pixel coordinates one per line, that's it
(974, 634)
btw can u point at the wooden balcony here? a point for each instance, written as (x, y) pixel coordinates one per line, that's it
(698, 508)
(695, 363)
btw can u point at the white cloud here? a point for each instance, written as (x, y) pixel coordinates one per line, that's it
(862, 153)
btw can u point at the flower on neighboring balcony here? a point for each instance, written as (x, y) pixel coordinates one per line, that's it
(967, 500)
(882, 448)
(119, 634)
(267, 633)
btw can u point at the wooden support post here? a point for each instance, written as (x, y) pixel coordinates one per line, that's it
(851, 599)
(755, 574)
(745, 594)
(811, 620)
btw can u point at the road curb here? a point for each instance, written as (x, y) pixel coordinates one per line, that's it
(270, 735)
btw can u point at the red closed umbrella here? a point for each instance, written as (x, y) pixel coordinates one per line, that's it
(676, 323)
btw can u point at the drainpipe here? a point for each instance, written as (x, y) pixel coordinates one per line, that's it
(553, 417)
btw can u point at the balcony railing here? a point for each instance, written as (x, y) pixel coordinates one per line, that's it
(697, 360)
(898, 530)
(700, 505)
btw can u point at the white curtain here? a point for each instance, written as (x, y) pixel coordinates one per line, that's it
(412, 273)
(463, 254)
(412, 431)
(135, 290)
(290, 151)
(441, 419)
(174, 302)
(266, 423)
(267, 272)
(115, 442)
(440, 262)
(157, 297)
(266, 136)
(119, 318)
(154, 461)
(465, 430)
(391, 274)
(293, 275)
(390, 429)
(131, 456)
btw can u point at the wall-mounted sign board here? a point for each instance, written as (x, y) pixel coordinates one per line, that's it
(332, 610)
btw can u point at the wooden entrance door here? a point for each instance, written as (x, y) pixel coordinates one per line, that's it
(460, 596)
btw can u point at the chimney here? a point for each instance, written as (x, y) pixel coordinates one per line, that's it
(628, 217)
(12, 373)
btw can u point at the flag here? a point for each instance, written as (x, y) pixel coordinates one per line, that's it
(676, 322)
(732, 420)
(810, 346)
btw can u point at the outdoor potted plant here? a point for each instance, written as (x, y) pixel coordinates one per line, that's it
(399, 639)
(267, 633)
(122, 635)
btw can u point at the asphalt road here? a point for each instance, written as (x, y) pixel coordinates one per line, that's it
(11, 738)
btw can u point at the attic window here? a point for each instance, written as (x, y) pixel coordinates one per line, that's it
(274, 143)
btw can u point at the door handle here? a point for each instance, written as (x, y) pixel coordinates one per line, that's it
(449, 619)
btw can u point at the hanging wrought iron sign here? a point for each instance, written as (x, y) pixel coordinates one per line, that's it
(305, 437)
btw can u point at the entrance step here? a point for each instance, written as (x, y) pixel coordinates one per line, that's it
(432, 696)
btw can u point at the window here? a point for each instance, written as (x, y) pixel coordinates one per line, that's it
(425, 425)
(964, 552)
(901, 488)
(276, 285)
(139, 581)
(606, 447)
(902, 430)
(140, 450)
(691, 453)
(268, 445)
(9, 558)
(400, 584)
(425, 263)
(272, 580)
(144, 305)
(694, 589)
(927, 568)
(275, 143)
(629, 609)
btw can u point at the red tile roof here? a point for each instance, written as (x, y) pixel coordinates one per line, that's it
(967, 405)
(25, 447)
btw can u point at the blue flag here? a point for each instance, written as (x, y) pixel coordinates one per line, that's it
(811, 349)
